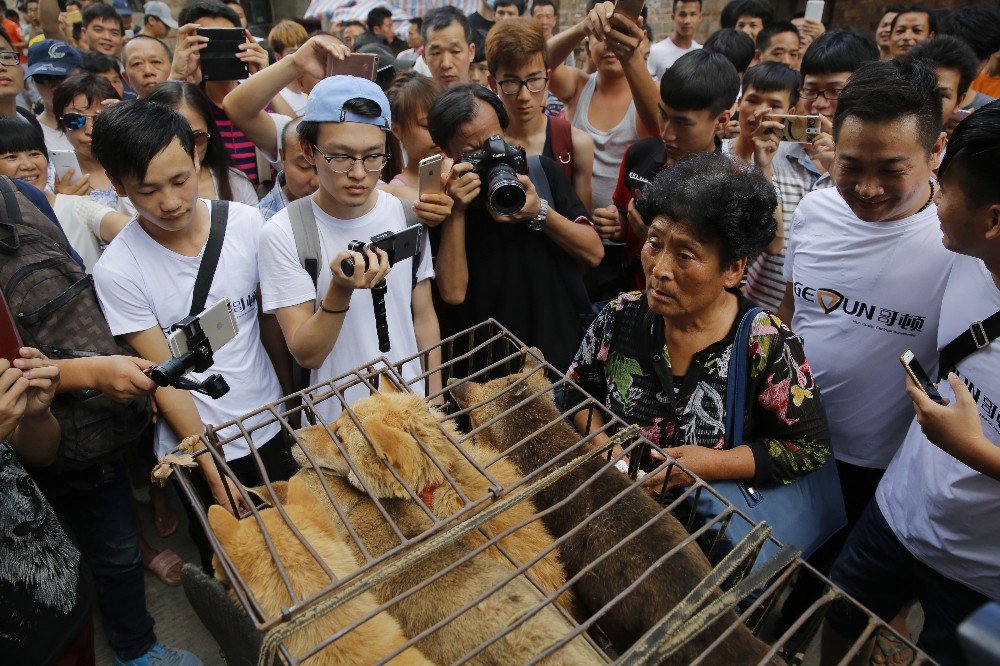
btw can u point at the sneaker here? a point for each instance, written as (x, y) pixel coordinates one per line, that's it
(161, 655)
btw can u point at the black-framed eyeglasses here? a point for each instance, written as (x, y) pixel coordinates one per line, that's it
(73, 120)
(340, 163)
(830, 93)
(10, 58)
(512, 87)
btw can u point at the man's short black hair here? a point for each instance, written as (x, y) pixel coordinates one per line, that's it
(700, 80)
(736, 45)
(733, 10)
(917, 9)
(98, 11)
(548, 3)
(889, 90)
(376, 16)
(725, 202)
(128, 135)
(948, 52)
(208, 9)
(440, 18)
(309, 129)
(456, 107)
(768, 77)
(417, 21)
(673, 6)
(166, 49)
(838, 50)
(979, 27)
(99, 63)
(973, 156)
(765, 36)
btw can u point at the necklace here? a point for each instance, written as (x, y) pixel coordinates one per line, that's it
(929, 199)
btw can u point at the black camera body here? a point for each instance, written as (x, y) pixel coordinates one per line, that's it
(498, 164)
(198, 358)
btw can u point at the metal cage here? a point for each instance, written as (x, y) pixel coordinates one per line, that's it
(738, 593)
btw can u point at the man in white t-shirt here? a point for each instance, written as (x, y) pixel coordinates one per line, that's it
(932, 534)
(865, 270)
(145, 281)
(330, 324)
(662, 55)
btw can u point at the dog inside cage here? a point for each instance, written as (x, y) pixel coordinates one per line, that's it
(475, 524)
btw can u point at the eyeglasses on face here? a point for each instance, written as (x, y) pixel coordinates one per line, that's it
(512, 87)
(340, 163)
(830, 93)
(10, 58)
(73, 120)
(44, 79)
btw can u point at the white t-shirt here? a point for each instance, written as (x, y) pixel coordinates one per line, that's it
(296, 100)
(142, 284)
(943, 511)
(83, 233)
(663, 54)
(284, 282)
(864, 293)
(55, 139)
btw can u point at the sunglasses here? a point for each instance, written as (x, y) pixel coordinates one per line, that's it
(44, 80)
(76, 121)
(201, 137)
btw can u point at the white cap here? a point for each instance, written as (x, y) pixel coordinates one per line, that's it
(161, 11)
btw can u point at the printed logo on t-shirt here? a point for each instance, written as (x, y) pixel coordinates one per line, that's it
(244, 304)
(636, 184)
(869, 315)
(989, 409)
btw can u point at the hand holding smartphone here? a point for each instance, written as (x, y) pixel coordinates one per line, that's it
(814, 10)
(10, 338)
(798, 129)
(630, 8)
(920, 377)
(217, 321)
(218, 58)
(63, 161)
(429, 181)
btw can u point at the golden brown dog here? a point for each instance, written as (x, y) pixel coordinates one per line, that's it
(666, 585)
(451, 592)
(244, 543)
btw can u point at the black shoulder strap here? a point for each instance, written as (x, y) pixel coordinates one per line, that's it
(979, 335)
(538, 178)
(210, 258)
(10, 217)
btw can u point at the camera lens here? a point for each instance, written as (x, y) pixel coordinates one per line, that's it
(506, 194)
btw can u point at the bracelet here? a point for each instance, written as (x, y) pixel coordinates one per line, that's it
(329, 311)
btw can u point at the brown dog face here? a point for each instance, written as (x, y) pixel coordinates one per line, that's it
(509, 391)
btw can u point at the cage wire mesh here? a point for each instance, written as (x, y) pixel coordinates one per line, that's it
(521, 541)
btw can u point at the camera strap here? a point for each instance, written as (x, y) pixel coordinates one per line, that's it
(979, 335)
(210, 257)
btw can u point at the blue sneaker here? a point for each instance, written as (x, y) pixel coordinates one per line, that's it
(161, 655)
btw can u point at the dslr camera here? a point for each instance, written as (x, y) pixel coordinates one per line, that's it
(497, 164)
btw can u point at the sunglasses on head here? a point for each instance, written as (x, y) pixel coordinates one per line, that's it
(76, 121)
(201, 137)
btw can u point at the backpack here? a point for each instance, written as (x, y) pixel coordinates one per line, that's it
(54, 305)
(561, 138)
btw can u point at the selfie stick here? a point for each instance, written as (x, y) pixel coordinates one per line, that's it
(198, 358)
(381, 320)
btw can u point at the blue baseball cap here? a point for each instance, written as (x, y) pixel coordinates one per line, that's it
(51, 57)
(326, 101)
(122, 7)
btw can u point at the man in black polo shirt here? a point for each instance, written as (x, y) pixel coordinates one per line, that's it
(521, 269)
(696, 94)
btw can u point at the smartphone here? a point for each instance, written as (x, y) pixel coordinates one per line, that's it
(74, 17)
(398, 246)
(430, 175)
(919, 376)
(63, 161)
(10, 338)
(799, 129)
(630, 8)
(362, 65)
(218, 58)
(814, 10)
(217, 321)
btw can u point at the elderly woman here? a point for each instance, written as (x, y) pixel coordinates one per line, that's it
(659, 358)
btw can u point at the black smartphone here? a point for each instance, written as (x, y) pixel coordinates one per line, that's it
(218, 58)
(398, 246)
(10, 338)
(919, 376)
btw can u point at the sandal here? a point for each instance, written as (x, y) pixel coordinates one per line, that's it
(887, 646)
(164, 564)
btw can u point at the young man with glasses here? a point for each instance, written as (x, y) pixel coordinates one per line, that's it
(328, 320)
(519, 73)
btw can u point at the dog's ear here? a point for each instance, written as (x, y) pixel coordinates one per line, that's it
(300, 495)
(533, 358)
(462, 391)
(224, 524)
(391, 443)
(280, 493)
(387, 386)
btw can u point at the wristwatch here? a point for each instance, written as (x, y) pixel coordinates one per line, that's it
(537, 223)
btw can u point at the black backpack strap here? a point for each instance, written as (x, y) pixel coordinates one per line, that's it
(210, 258)
(979, 335)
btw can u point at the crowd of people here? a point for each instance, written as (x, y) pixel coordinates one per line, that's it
(651, 195)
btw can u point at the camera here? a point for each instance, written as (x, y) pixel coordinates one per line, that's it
(192, 343)
(497, 164)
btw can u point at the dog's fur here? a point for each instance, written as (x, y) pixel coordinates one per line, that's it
(449, 593)
(666, 585)
(244, 543)
(392, 419)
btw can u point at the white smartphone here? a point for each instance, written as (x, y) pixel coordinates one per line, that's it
(814, 10)
(430, 175)
(63, 161)
(219, 324)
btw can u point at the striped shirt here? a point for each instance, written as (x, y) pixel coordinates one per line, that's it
(241, 149)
